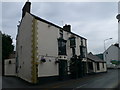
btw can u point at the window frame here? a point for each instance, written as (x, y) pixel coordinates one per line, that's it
(62, 46)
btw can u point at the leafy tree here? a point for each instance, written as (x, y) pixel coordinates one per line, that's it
(7, 47)
(100, 56)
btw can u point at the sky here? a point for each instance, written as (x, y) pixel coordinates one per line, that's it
(96, 21)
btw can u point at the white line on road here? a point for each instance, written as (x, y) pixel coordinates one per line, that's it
(81, 85)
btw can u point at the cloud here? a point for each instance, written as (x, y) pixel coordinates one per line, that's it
(11, 14)
(93, 20)
(97, 32)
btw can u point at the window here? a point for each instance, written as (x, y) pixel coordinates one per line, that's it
(98, 67)
(83, 51)
(21, 49)
(72, 42)
(61, 34)
(103, 65)
(81, 42)
(90, 65)
(61, 46)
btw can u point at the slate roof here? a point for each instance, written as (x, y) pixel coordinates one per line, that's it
(94, 58)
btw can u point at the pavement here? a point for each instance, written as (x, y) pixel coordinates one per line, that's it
(102, 80)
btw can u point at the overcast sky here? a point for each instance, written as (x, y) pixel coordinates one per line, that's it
(95, 21)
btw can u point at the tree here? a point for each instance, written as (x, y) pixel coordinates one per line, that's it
(7, 48)
(100, 56)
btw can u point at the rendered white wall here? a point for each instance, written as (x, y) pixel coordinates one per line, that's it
(48, 47)
(47, 39)
(48, 68)
(24, 48)
(69, 50)
(119, 32)
(78, 43)
(101, 67)
(94, 67)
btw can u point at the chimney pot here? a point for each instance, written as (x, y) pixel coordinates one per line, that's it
(67, 28)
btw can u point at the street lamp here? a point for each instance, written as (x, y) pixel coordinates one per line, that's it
(105, 57)
(104, 42)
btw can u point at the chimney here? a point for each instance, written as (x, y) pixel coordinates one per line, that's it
(67, 28)
(26, 8)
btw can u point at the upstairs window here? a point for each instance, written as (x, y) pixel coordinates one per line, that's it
(61, 34)
(72, 42)
(61, 46)
(83, 51)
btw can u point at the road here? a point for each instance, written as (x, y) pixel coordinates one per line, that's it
(108, 80)
(102, 80)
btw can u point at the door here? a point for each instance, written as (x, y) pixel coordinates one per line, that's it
(62, 69)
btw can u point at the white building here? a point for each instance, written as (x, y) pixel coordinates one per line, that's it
(118, 17)
(95, 64)
(44, 49)
(10, 67)
(112, 54)
(0, 53)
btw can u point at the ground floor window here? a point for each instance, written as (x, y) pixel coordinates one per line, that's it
(98, 67)
(90, 65)
(103, 65)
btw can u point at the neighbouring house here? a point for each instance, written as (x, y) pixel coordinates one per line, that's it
(10, 67)
(118, 17)
(112, 56)
(46, 50)
(0, 53)
(95, 64)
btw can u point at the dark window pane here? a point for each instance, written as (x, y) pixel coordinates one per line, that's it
(61, 47)
(83, 51)
(72, 42)
(98, 67)
(90, 65)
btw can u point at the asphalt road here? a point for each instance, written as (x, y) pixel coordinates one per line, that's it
(102, 80)
(108, 80)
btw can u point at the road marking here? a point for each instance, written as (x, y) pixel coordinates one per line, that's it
(81, 85)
